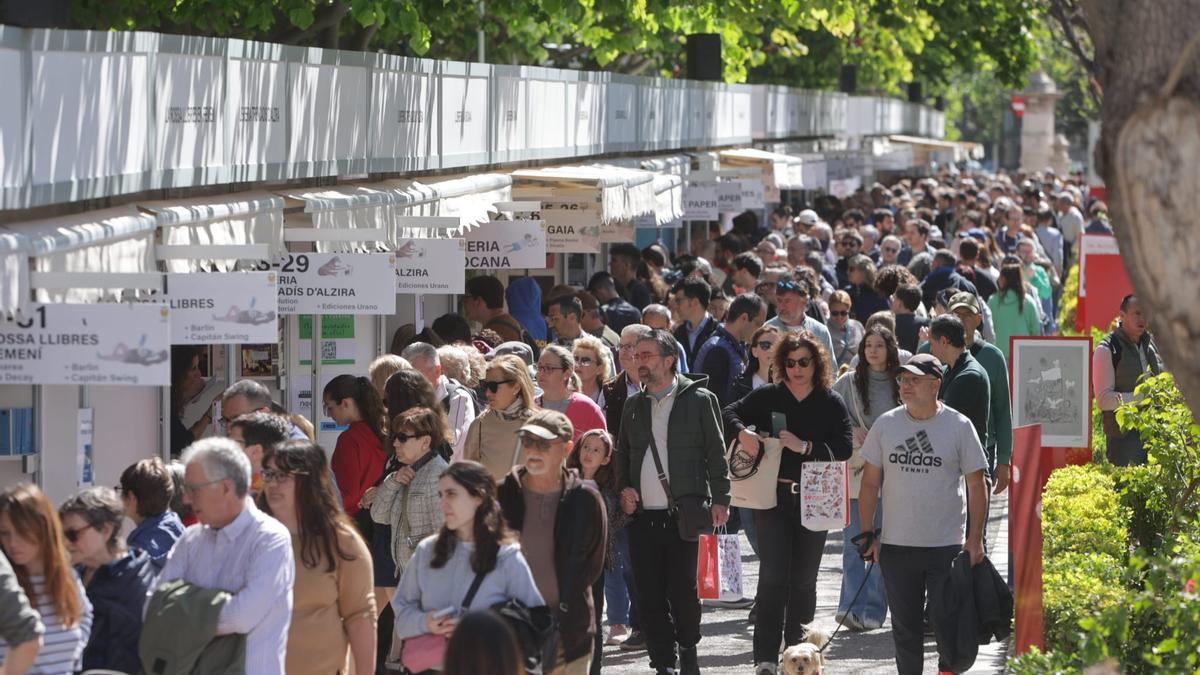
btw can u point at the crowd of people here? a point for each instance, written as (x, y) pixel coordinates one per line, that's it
(512, 475)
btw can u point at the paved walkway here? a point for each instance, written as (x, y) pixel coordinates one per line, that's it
(728, 636)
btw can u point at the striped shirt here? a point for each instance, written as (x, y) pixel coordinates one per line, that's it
(62, 648)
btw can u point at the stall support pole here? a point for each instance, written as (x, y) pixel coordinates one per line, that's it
(164, 424)
(32, 464)
(419, 319)
(315, 391)
(231, 372)
(381, 347)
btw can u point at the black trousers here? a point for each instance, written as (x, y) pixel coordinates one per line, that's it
(789, 556)
(598, 605)
(909, 573)
(664, 568)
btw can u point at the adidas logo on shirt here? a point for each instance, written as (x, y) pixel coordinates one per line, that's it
(915, 454)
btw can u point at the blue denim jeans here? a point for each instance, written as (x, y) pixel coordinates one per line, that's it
(618, 586)
(748, 526)
(871, 605)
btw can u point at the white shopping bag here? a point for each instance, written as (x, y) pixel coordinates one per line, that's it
(825, 495)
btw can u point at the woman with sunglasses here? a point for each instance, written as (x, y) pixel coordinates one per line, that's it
(333, 604)
(817, 429)
(556, 375)
(593, 361)
(407, 499)
(473, 542)
(845, 332)
(757, 372)
(869, 390)
(492, 437)
(32, 538)
(115, 577)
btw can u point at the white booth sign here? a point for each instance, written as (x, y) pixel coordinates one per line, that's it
(507, 245)
(622, 231)
(700, 201)
(235, 308)
(431, 266)
(753, 194)
(571, 226)
(337, 283)
(88, 344)
(729, 197)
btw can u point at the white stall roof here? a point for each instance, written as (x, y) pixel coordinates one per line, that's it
(783, 171)
(197, 231)
(470, 198)
(14, 273)
(668, 198)
(116, 240)
(352, 217)
(623, 193)
(678, 165)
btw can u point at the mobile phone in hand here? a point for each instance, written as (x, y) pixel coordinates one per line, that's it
(445, 613)
(778, 423)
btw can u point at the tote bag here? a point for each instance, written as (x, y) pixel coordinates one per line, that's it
(753, 479)
(825, 495)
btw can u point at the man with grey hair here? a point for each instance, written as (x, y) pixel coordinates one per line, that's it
(246, 396)
(457, 401)
(237, 549)
(889, 250)
(658, 317)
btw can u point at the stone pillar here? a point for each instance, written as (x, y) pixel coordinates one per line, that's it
(1037, 126)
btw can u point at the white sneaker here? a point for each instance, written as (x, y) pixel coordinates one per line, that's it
(765, 668)
(616, 634)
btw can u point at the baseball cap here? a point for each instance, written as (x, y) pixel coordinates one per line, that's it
(964, 299)
(518, 349)
(808, 217)
(549, 425)
(924, 364)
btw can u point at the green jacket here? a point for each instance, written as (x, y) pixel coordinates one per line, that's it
(965, 388)
(695, 452)
(179, 635)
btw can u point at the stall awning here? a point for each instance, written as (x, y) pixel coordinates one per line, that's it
(783, 172)
(469, 198)
(676, 165)
(14, 274)
(213, 233)
(623, 193)
(925, 149)
(668, 198)
(82, 257)
(342, 218)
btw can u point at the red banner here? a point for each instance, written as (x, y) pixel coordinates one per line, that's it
(1031, 468)
(1103, 282)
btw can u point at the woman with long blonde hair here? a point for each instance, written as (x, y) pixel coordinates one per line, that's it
(32, 538)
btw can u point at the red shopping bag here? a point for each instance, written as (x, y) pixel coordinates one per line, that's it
(708, 568)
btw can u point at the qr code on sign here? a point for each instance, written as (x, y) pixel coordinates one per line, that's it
(328, 350)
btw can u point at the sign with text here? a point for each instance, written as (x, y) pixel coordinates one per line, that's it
(507, 245)
(337, 283)
(729, 197)
(236, 308)
(431, 266)
(700, 201)
(88, 344)
(571, 226)
(622, 230)
(753, 194)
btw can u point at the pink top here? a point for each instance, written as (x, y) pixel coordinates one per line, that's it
(584, 414)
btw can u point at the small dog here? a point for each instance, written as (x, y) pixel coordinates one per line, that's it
(806, 658)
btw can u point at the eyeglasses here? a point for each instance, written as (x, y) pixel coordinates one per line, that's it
(403, 437)
(646, 356)
(584, 360)
(803, 362)
(73, 535)
(193, 488)
(535, 443)
(276, 476)
(764, 345)
(494, 385)
(839, 312)
(551, 368)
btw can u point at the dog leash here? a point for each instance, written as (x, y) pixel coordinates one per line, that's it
(866, 578)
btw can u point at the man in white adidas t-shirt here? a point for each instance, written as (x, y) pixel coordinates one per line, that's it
(920, 453)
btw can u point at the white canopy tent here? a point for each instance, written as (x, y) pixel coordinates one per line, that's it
(623, 193)
(781, 172)
(214, 233)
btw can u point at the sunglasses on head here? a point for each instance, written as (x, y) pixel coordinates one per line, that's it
(493, 385)
(789, 285)
(803, 362)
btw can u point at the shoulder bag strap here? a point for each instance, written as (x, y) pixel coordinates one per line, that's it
(466, 603)
(658, 465)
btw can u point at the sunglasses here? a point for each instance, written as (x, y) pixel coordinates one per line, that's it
(73, 535)
(493, 385)
(839, 313)
(849, 243)
(584, 360)
(765, 345)
(403, 437)
(278, 476)
(890, 249)
(540, 444)
(803, 362)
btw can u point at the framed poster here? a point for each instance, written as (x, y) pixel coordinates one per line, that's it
(1052, 386)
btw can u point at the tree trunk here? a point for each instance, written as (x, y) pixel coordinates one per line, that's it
(1149, 157)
